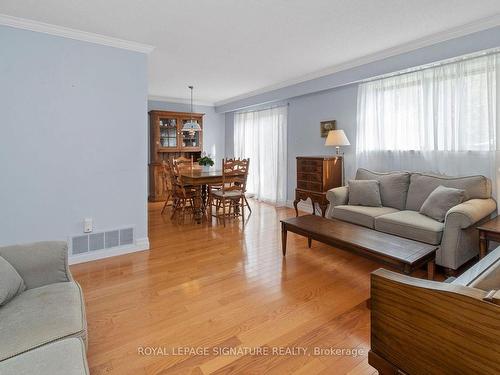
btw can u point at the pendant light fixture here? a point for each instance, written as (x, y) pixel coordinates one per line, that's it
(191, 126)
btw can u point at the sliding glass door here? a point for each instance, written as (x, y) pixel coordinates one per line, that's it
(262, 137)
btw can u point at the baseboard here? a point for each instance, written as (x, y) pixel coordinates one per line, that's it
(141, 244)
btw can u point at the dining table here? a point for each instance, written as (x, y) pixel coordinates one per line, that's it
(202, 178)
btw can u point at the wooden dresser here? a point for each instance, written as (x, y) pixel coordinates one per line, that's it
(315, 176)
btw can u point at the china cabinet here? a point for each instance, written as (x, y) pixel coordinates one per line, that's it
(167, 140)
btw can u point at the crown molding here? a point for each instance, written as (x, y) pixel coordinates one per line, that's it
(178, 100)
(66, 32)
(456, 32)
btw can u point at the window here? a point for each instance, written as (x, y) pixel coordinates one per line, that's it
(261, 136)
(441, 119)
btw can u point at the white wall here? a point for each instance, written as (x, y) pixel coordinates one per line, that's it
(214, 142)
(73, 137)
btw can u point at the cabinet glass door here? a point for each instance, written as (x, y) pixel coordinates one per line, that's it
(190, 139)
(168, 132)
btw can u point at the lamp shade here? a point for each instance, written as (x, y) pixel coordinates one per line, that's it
(191, 126)
(336, 138)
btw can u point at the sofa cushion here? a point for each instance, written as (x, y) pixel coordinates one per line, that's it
(439, 202)
(11, 284)
(64, 357)
(412, 225)
(393, 186)
(422, 185)
(364, 193)
(41, 315)
(360, 215)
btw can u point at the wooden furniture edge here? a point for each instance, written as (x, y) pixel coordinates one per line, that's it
(422, 326)
(474, 293)
(383, 367)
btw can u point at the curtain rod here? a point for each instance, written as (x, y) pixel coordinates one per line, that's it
(449, 61)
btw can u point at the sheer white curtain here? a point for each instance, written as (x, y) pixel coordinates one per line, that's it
(441, 119)
(261, 136)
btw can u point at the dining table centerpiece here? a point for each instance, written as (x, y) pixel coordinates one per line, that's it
(206, 162)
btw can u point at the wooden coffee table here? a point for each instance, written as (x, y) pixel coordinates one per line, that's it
(398, 252)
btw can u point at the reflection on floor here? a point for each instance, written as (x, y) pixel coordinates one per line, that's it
(209, 288)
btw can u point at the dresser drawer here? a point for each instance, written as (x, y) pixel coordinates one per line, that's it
(309, 163)
(314, 177)
(310, 168)
(318, 174)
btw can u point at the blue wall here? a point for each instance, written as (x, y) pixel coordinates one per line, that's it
(213, 126)
(305, 114)
(334, 97)
(73, 140)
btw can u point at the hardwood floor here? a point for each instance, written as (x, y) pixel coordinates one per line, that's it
(210, 287)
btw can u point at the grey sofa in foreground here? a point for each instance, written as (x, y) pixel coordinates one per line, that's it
(43, 330)
(403, 194)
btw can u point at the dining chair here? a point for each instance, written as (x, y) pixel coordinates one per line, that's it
(230, 198)
(245, 186)
(183, 162)
(212, 188)
(183, 195)
(167, 184)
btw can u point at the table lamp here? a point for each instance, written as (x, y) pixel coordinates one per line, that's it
(338, 138)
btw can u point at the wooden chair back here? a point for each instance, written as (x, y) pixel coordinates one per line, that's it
(183, 163)
(176, 183)
(234, 174)
(167, 179)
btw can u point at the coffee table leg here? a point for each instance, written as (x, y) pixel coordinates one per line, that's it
(309, 242)
(431, 267)
(283, 238)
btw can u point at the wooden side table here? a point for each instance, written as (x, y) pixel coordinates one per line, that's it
(489, 231)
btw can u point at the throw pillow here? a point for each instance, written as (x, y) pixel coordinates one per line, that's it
(439, 202)
(364, 193)
(11, 284)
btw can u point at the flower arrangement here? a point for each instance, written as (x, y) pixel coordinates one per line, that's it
(205, 160)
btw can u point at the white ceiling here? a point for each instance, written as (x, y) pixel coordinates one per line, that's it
(227, 48)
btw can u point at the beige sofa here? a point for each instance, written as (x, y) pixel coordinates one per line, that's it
(43, 330)
(402, 195)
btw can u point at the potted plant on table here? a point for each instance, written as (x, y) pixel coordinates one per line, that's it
(206, 162)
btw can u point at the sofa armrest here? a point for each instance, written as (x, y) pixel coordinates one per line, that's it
(468, 213)
(338, 196)
(39, 263)
(460, 237)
